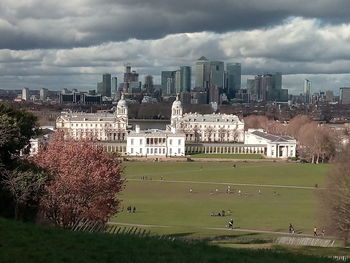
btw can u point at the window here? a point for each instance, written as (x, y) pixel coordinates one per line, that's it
(131, 150)
(151, 150)
(147, 151)
(170, 151)
(179, 142)
(155, 150)
(163, 150)
(178, 150)
(171, 141)
(132, 141)
(140, 150)
(140, 141)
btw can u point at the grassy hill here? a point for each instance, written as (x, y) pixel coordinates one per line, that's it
(28, 243)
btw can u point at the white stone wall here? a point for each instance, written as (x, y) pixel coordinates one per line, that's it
(165, 145)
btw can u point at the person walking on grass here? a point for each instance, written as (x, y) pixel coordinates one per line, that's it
(315, 231)
(230, 224)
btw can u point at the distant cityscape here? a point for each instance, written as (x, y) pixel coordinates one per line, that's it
(214, 83)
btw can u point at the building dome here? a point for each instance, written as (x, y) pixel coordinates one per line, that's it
(122, 102)
(177, 103)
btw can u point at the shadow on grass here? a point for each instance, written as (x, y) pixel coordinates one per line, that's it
(180, 235)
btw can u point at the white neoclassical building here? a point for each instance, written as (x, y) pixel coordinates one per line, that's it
(206, 127)
(275, 146)
(155, 142)
(99, 126)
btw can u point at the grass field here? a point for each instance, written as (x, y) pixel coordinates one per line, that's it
(28, 243)
(228, 156)
(169, 203)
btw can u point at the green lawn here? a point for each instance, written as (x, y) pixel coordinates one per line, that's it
(34, 244)
(245, 172)
(228, 156)
(169, 202)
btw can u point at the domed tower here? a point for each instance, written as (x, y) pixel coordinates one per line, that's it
(122, 108)
(176, 112)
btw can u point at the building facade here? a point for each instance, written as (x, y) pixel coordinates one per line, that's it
(206, 127)
(345, 95)
(98, 126)
(233, 72)
(155, 143)
(275, 146)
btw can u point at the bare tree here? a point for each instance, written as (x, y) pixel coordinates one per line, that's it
(336, 198)
(209, 132)
(222, 133)
(24, 186)
(196, 133)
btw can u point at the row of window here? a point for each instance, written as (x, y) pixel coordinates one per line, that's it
(155, 141)
(214, 126)
(154, 151)
(95, 125)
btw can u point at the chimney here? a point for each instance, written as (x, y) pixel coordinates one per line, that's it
(137, 128)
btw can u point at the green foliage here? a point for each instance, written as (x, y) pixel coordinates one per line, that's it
(28, 243)
(16, 129)
(26, 188)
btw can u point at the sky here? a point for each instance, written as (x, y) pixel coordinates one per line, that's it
(70, 44)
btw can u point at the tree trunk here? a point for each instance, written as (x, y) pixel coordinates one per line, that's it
(16, 211)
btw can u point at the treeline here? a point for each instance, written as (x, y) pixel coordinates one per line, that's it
(67, 181)
(315, 142)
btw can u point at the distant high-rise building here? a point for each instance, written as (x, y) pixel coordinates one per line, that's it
(267, 87)
(345, 95)
(216, 74)
(148, 84)
(100, 88)
(131, 80)
(25, 94)
(185, 74)
(329, 96)
(178, 81)
(43, 94)
(106, 80)
(307, 91)
(202, 74)
(233, 76)
(114, 85)
(168, 82)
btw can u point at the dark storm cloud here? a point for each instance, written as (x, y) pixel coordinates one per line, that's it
(66, 24)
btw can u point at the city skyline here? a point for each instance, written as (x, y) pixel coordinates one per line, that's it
(46, 44)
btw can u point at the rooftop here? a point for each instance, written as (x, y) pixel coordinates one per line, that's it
(195, 117)
(273, 138)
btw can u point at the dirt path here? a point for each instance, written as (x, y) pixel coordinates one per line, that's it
(230, 183)
(216, 228)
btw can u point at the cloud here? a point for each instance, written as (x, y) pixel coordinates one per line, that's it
(47, 41)
(50, 24)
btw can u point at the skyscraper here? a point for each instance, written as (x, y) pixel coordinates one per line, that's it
(114, 85)
(131, 80)
(25, 94)
(307, 91)
(106, 84)
(185, 72)
(43, 94)
(167, 82)
(202, 74)
(216, 74)
(345, 95)
(148, 84)
(178, 81)
(233, 79)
